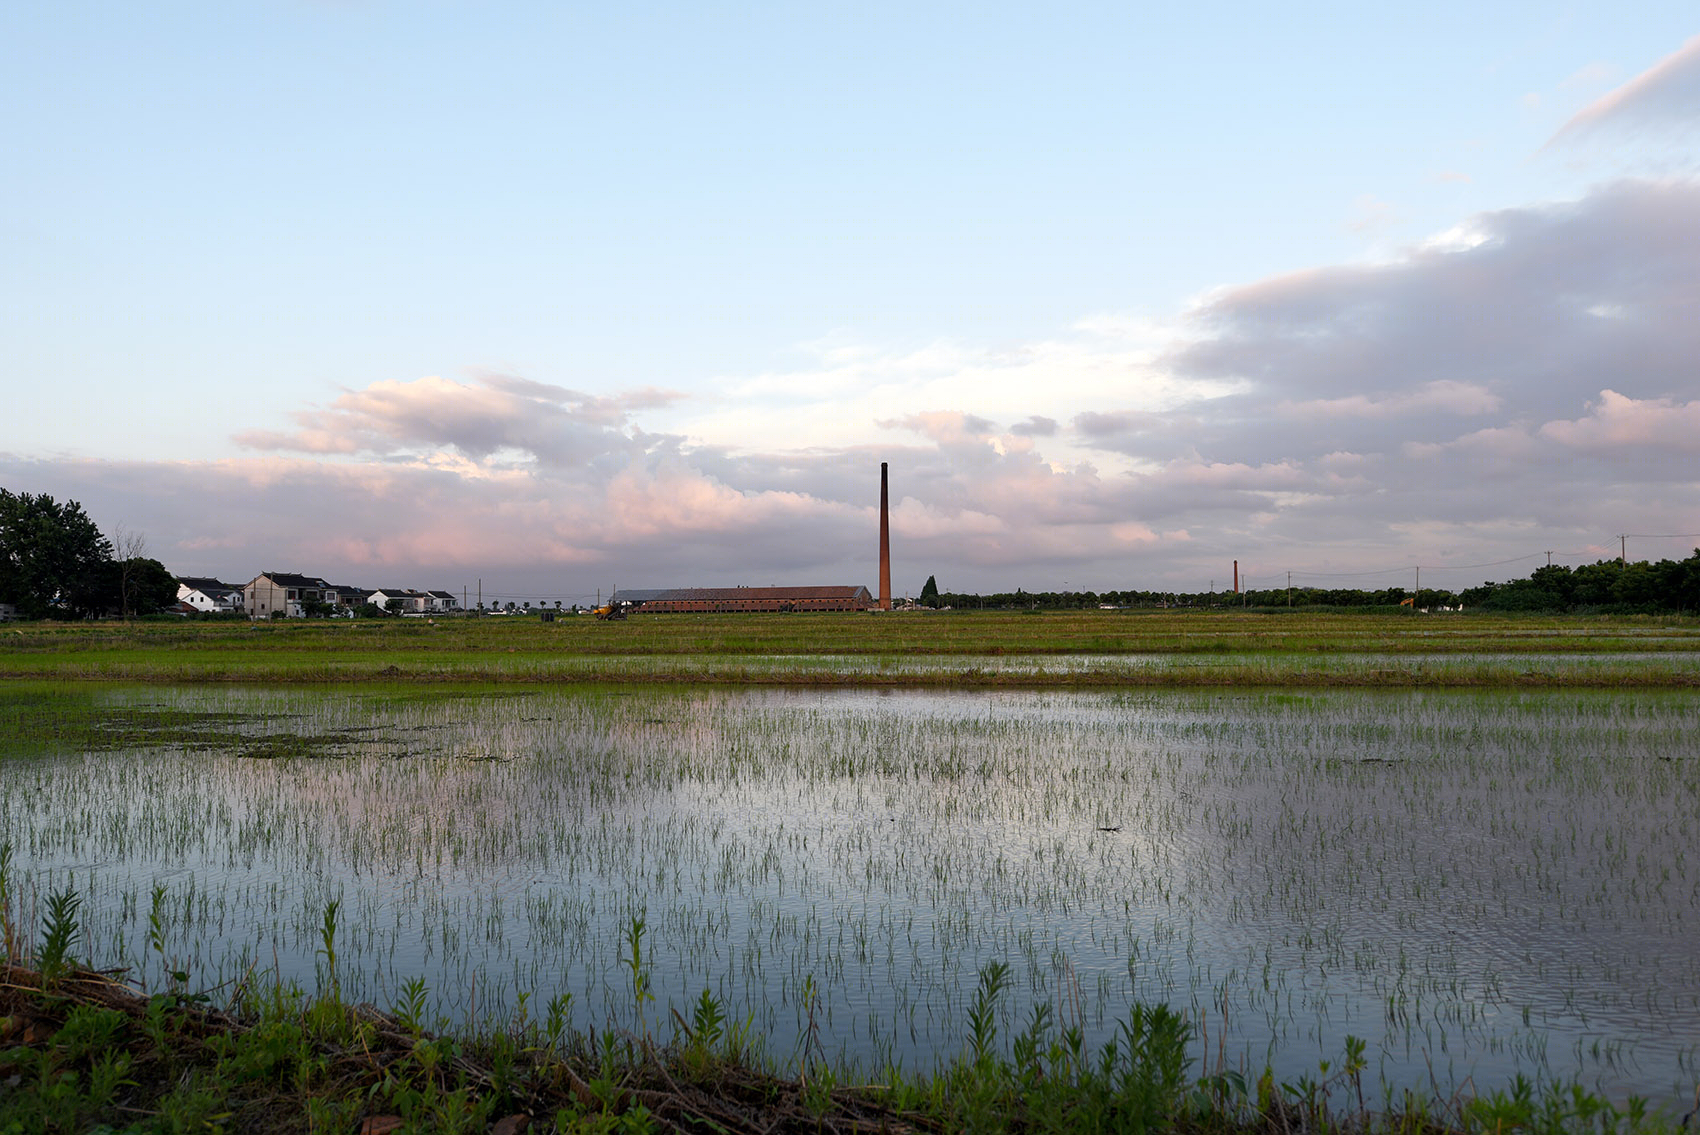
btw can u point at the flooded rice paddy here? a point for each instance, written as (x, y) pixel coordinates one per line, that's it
(1479, 884)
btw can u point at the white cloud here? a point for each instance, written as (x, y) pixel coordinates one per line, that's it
(844, 400)
(1616, 422)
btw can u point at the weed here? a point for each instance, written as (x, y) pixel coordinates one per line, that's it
(10, 944)
(410, 1010)
(700, 1037)
(327, 948)
(59, 935)
(638, 972)
(982, 1023)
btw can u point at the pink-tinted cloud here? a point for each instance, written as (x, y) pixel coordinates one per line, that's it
(946, 427)
(1668, 93)
(490, 415)
(1280, 477)
(1458, 398)
(1617, 422)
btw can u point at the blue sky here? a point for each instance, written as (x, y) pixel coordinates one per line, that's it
(561, 299)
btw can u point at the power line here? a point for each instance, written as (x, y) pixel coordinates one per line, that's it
(1431, 567)
(1247, 579)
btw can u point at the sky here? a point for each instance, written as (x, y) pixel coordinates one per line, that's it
(544, 300)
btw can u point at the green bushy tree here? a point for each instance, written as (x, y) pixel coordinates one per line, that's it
(52, 557)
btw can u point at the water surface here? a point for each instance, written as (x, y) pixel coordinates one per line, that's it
(1479, 884)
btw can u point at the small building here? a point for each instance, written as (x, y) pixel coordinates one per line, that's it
(728, 599)
(442, 602)
(401, 600)
(202, 593)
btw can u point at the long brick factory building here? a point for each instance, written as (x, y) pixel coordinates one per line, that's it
(839, 597)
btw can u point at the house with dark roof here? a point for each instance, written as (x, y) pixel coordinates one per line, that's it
(352, 597)
(282, 594)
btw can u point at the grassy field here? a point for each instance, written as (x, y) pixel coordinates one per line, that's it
(1062, 649)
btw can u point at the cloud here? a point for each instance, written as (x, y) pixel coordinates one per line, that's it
(1615, 422)
(492, 414)
(1665, 95)
(1540, 306)
(946, 427)
(1460, 382)
(1035, 426)
(845, 395)
(1458, 398)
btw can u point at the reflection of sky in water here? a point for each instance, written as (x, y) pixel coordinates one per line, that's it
(1488, 882)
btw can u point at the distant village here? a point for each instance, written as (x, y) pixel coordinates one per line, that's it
(286, 595)
(281, 594)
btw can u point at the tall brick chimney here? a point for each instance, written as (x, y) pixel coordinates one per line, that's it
(885, 544)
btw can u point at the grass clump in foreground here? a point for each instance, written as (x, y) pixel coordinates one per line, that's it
(82, 1051)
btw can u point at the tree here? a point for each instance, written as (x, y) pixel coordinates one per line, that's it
(1594, 583)
(137, 586)
(930, 593)
(52, 557)
(129, 550)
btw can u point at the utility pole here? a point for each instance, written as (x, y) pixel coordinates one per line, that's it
(1622, 552)
(1289, 590)
(1549, 557)
(1419, 599)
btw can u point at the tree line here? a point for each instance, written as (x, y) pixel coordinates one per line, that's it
(1665, 587)
(54, 562)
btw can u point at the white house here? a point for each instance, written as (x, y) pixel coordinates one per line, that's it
(205, 594)
(401, 600)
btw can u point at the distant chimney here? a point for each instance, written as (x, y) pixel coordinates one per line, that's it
(885, 544)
